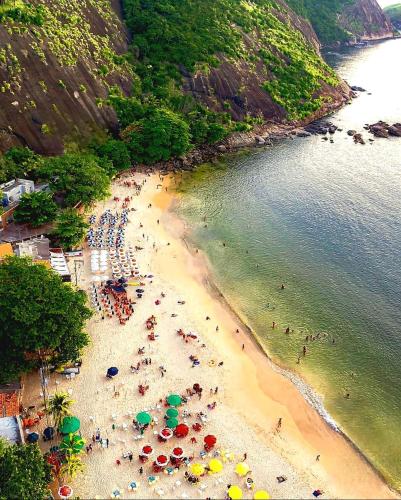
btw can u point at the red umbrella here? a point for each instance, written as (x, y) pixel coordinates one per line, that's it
(177, 453)
(166, 433)
(161, 460)
(65, 491)
(181, 430)
(210, 440)
(147, 450)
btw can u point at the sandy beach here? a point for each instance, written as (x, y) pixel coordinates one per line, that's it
(251, 396)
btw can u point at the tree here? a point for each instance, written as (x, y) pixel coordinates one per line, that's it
(117, 152)
(21, 162)
(77, 177)
(24, 473)
(72, 466)
(70, 229)
(36, 209)
(40, 317)
(59, 406)
(161, 135)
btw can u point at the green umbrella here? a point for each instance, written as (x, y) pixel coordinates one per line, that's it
(143, 418)
(72, 442)
(171, 413)
(172, 423)
(174, 400)
(69, 425)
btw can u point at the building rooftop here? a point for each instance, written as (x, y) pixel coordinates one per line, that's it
(5, 250)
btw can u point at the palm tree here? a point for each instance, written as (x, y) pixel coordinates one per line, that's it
(59, 407)
(72, 466)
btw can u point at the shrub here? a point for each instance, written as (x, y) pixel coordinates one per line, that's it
(36, 209)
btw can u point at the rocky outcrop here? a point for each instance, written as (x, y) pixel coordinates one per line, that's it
(365, 20)
(53, 77)
(384, 130)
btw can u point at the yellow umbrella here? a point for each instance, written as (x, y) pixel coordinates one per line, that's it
(234, 492)
(197, 469)
(242, 468)
(261, 495)
(215, 466)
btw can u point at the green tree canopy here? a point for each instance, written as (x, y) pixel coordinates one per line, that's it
(38, 313)
(24, 473)
(20, 163)
(161, 135)
(70, 229)
(117, 152)
(77, 177)
(36, 208)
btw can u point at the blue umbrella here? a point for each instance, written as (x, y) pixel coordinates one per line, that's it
(32, 437)
(48, 433)
(112, 371)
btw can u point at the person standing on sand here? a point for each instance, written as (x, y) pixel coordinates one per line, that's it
(216, 390)
(243, 346)
(273, 325)
(217, 328)
(280, 421)
(317, 458)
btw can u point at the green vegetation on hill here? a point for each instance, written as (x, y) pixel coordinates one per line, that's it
(194, 35)
(394, 12)
(323, 15)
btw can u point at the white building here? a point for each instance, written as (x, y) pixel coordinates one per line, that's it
(13, 190)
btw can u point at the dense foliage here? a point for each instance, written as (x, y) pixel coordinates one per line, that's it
(116, 152)
(394, 13)
(36, 209)
(20, 163)
(22, 12)
(76, 177)
(39, 314)
(323, 15)
(194, 34)
(24, 473)
(70, 229)
(157, 136)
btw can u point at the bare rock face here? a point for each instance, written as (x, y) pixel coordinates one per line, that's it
(53, 77)
(366, 20)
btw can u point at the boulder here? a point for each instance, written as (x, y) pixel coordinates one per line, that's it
(395, 130)
(355, 88)
(221, 148)
(351, 133)
(358, 139)
(303, 133)
(259, 139)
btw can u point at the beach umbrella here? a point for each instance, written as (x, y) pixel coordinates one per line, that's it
(197, 469)
(166, 433)
(116, 493)
(177, 453)
(234, 492)
(210, 440)
(65, 491)
(172, 423)
(147, 450)
(162, 460)
(112, 371)
(143, 418)
(171, 413)
(133, 486)
(261, 495)
(72, 442)
(48, 433)
(181, 430)
(242, 469)
(174, 400)
(32, 437)
(215, 466)
(69, 425)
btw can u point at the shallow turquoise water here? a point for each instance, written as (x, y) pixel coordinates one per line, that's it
(325, 220)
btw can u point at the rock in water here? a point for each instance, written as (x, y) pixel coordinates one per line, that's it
(351, 133)
(395, 130)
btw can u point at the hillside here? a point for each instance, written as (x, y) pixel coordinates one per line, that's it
(66, 69)
(250, 59)
(344, 20)
(56, 59)
(394, 13)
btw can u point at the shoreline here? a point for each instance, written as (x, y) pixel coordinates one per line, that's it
(313, 400)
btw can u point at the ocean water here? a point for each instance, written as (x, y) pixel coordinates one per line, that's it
(324, 220)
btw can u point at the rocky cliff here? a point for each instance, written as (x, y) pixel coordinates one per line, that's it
(254, 60)
(54, 71)
(365, 20)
